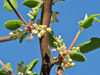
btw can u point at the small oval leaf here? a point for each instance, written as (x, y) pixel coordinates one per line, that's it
(23, 36)
(30, 3)
(32, 65)
(7, 6)
(77, 57)
(13, 24)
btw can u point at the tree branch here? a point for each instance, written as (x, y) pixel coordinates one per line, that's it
(19, 16)
(44, 41)
(6, 38)
(76, 37)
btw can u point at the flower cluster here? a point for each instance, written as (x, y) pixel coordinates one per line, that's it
(64, 54)
(60, 46)
(33, 13)
(39, 31)
(16, 34)
(54, 17)
(74, 50)
(20, 69)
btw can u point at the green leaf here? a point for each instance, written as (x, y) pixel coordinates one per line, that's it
(7, 6)
(23, 36)
(13, 24)
(97, 19)
(77, 57)
(8, 66)
(88, 22)
(4, 72)
(32, 65)
(34, 73)
(52, 39)
(30, 3)
(61, 0)
(92, 44)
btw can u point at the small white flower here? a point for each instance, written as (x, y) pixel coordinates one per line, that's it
(34, 31)
(40, 26)
(63, 47)
(29, 72)
(58, 48)
(44, 26)
(35, 25)
(39, 35)
(42, 32)
(64, 51)
(72, 64)
(48, 29)
(69, 59)
(32, 17)
(55, 43)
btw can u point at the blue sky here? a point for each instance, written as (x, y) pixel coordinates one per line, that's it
(71, 11)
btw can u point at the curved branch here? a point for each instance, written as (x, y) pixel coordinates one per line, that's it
(19, 16)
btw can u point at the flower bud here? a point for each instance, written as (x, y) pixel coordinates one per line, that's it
(30, 12)
(72, 64)
(48, 29)
(11, 33)
(29, 72)
(57, 20)
(73, 48)
(53, 50)
(39, 35)
(55, 43)
(57, 13)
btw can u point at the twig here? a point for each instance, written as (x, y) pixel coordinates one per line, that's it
(6, 38)
(6, 68)
(19, 16)
(77, 35)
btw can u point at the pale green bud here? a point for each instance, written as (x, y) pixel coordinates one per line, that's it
(32, 17)
(30, 12)
(48, 29)
(19, 30)
(78, 49)
(61, 40)
(73, 48)
(72, 64)
(11, 34)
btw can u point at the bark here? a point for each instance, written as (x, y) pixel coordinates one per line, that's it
(44, 41)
